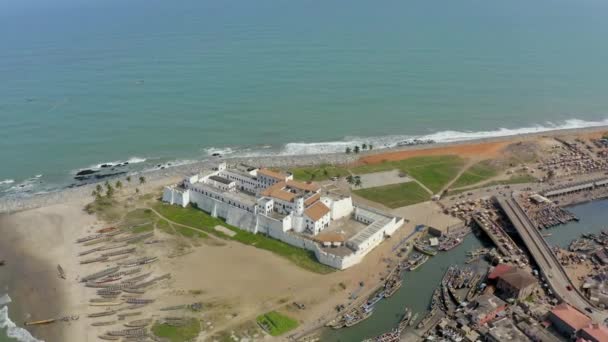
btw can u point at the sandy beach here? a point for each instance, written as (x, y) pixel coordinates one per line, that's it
(39, 233)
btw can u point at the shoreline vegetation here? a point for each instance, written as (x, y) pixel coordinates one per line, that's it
(46, 226)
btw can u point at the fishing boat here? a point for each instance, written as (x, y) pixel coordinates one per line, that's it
(413, 319)
(407, 315)
(102, 324)
(109, 338)
(106, 230)
(42, 322)
(419, 262)
(428, 250)
(369, 305)
(451, 243)
(358, 318)
(392, 289)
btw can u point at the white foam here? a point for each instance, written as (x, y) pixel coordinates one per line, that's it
(299, 148)
(222, 151)
(7, 181)
(12, 330)
(132, 160)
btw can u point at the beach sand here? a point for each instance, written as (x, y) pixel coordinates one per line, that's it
(33, 243)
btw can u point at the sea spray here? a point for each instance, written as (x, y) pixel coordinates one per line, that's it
(12, 330)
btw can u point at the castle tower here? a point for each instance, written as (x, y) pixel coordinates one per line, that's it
(299, 205)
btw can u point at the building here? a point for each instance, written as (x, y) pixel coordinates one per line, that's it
(505, 329)
(594, 333)
(567, 320)
(499, 270)
(273, 203)
(516, 283)
(485, 308)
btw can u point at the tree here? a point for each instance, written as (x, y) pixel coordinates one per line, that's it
(94, 193)
(350, 179)
(110, 192)
(129, 179)
(348, 150)
(136, 190)
(325, 172)
(370, 147)
(357, 181)
(142, 180)
(118, 184)
(357, 149)
(99, 188)
(108, 185)
(364, 147)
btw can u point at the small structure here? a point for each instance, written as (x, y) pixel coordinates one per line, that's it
(516, 283)
(485, 308)
(567, 320)
(505, 329)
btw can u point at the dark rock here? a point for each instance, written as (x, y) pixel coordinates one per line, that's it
(85, 172)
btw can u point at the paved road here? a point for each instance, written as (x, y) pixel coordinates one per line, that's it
(549, 266)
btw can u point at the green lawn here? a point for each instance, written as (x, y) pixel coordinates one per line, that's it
(475, 174)
(199, 219)
(276, 323)
(432, 171)
(396, 195)
(187, 332)
(319, 173)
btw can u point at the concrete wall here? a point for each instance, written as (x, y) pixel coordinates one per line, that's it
(175, 196)
(340, 208)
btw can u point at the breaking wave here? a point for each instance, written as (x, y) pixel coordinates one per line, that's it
(7, 181)
(12, 330)
(132, 160)
(438, 137)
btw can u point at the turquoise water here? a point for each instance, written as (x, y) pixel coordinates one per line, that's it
(86, 82)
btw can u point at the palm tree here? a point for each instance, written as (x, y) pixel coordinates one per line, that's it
(364, 147)
(350, 179)
(110, 192)
(118, 184)
(94, 193)
(357, 149)
(357, 181)
(348, 150)
(142, 180)
(108, 185)
(136, 190)
(99, 188)
(370, 147)
(129, 179)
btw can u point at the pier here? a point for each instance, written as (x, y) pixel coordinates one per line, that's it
(548, 264)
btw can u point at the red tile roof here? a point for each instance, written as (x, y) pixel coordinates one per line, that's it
(597, 331)
(572, 317)
(272, 174)
(312, 187)
(499, 270)
(317, 211)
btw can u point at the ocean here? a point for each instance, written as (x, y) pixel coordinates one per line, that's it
(153, 82)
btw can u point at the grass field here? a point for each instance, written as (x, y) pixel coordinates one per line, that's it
(187, 332)
(276, 323)
(432, 171)
(200, 220)
(475, 174)
(395, 195)
(319, 173)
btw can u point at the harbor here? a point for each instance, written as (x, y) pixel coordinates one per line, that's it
(415, 294)
(472, 254)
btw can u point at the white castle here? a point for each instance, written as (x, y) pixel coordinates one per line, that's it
(298, 213)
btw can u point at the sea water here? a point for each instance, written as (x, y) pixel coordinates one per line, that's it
(153, 81)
